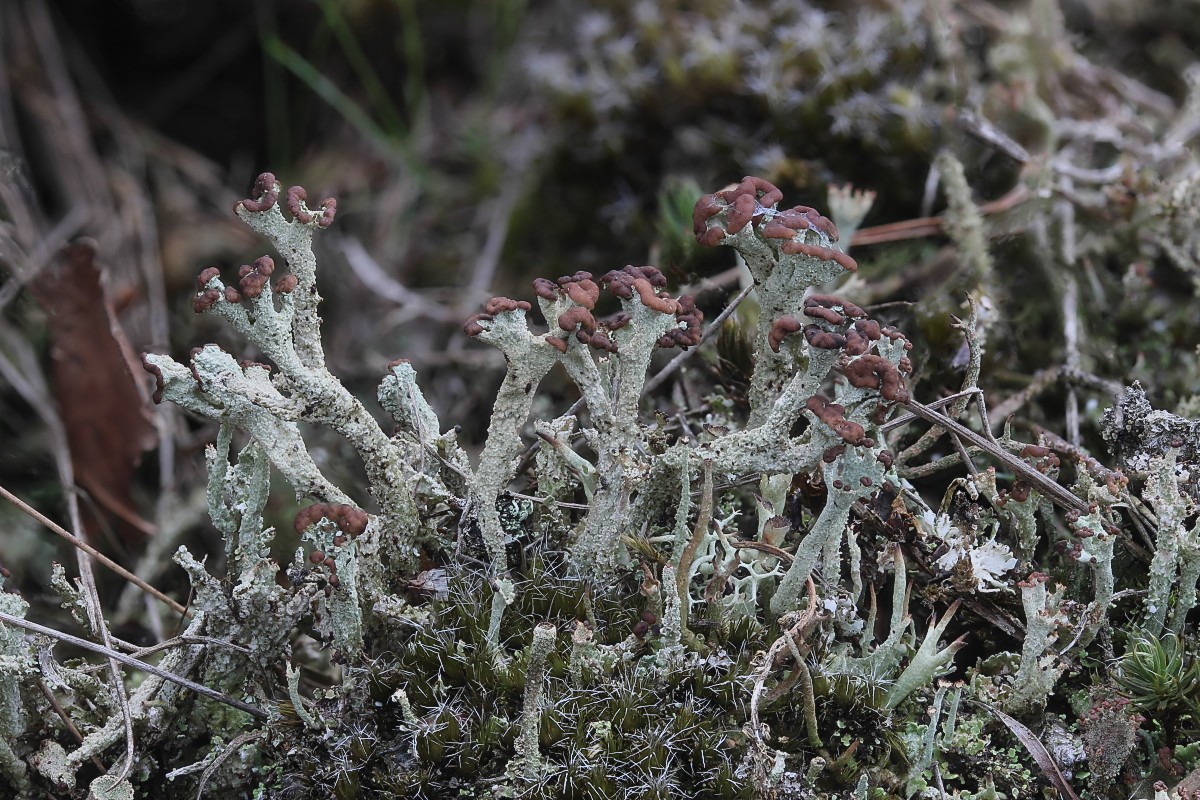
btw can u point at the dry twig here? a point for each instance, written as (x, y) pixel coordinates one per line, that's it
(116, 655)
(54, 527)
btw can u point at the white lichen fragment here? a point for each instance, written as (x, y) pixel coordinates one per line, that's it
(988, 559)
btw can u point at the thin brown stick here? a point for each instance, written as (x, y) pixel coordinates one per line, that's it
(1048, 487)
(766, 548)
(703, 520)
(178, 641)
(58, 709)
(683, 574)
(785, 644)
(964, 455)
(232, 748)
(900, 422)
(54, 527)
(931, 226)
(133, 662)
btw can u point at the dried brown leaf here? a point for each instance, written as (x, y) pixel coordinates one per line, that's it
(107, 423)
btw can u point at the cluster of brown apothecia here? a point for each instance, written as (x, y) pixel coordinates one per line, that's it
(752, 202)
(251, 278)
(350, 521)
(266, 193)
(583, 291)
(647, 621)
(841, 325)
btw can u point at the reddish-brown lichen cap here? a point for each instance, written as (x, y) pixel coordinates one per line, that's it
(1034, 579)
(741, 203)
(206, 300)
(577, 318)
(832, 302)
(834, 416)
(266, 192)
(706, 208)
(822, 339)
(689, 325)
(616, 321)
(827, 314)
(621, 282)
(254, 278)
(597, 340)
(158, 378)
(350, 520)
(823, 253)
(296, 196)
(494, 306)
(581, 289)
(784, 224)
(660, 302)
(781, 328)
(472, 327)
(876, 372)
(752, 202)
(206, 275)
(545, 289)
(499, 305)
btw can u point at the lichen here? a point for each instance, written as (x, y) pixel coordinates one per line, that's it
(769, 607)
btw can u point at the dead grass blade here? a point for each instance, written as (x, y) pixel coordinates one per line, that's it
(91, 551)
(1036, 749)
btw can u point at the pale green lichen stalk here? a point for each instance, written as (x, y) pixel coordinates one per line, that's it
(527, 763)
(1039, 667)
(1176, 565)
(18, 668)
(282, 321)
